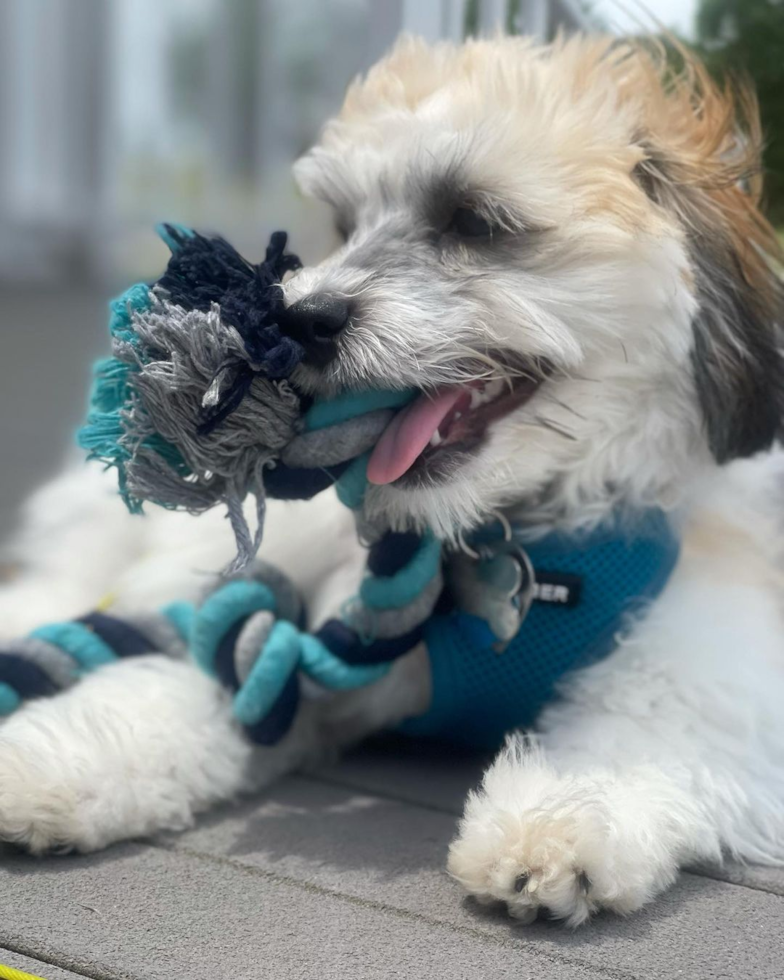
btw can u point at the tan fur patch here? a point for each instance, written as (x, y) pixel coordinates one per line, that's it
(609, 105)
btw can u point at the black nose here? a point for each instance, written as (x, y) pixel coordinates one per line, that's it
(315, 322)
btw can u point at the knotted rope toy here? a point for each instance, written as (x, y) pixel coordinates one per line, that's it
(196, 407)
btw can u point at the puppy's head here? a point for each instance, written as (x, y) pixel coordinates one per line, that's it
(560, 247)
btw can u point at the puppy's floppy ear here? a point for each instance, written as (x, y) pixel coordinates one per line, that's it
(737, 356)
(701, 163)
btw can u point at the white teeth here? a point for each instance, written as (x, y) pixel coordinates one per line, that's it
(436, 439)
(489, 392)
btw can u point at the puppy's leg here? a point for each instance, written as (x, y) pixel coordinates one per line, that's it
(145, 744)
(74, 539)
(665, 754)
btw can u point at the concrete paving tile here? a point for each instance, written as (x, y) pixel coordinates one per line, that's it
(338, 838)
(158, 914)
(390, 853)
(417, 770)
(46, 971)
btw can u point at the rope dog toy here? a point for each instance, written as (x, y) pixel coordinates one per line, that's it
(245, 633)
(196, 407)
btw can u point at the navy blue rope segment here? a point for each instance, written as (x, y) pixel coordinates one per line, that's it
(24, 679)
(285, 483)
(119, 635)
(392, 553)
(346, 644)
(57, 654)
(270, 729)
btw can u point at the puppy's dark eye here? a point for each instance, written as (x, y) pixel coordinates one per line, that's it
(469, 224)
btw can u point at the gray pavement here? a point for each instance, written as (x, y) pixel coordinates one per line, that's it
(337, 873)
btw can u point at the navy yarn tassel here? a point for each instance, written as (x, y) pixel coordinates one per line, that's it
(203, 271)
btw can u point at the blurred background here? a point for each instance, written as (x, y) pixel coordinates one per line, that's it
(116, 114)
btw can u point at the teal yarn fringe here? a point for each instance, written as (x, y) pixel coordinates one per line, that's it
(105, 435)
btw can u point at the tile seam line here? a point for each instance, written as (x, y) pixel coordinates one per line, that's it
(735, 884)
(312, 888)
(61, 960)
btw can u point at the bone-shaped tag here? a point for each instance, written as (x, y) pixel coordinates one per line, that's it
(497, 586)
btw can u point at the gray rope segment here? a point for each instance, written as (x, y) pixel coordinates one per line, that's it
(161, 633)
(385, 624)
(338, 443)
(288, 602)
(180, 355)
(251, 642)
(59, 667)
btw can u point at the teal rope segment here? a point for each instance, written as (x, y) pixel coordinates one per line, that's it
(269, 674)
(351, 486)
(181, 615)
(395, 591)
(87, 649)
(330, 671)
(220, 612)
(353, 403)
(9, 700)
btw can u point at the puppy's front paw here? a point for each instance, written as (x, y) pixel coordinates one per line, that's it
(530, 861)
(567, 845)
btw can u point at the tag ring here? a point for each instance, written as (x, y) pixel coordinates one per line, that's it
(506, 527)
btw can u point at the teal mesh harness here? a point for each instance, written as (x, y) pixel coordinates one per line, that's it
(610, 574)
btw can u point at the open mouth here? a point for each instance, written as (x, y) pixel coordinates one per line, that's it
(432, 433)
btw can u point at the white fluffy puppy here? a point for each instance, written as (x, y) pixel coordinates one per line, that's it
(578, 221)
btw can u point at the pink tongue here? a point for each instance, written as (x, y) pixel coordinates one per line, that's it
(408, 433)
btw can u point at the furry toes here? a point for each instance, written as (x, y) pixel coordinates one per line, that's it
(571, 845)
(532, 861)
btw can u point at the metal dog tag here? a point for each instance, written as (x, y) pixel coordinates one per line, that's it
(497, 585)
